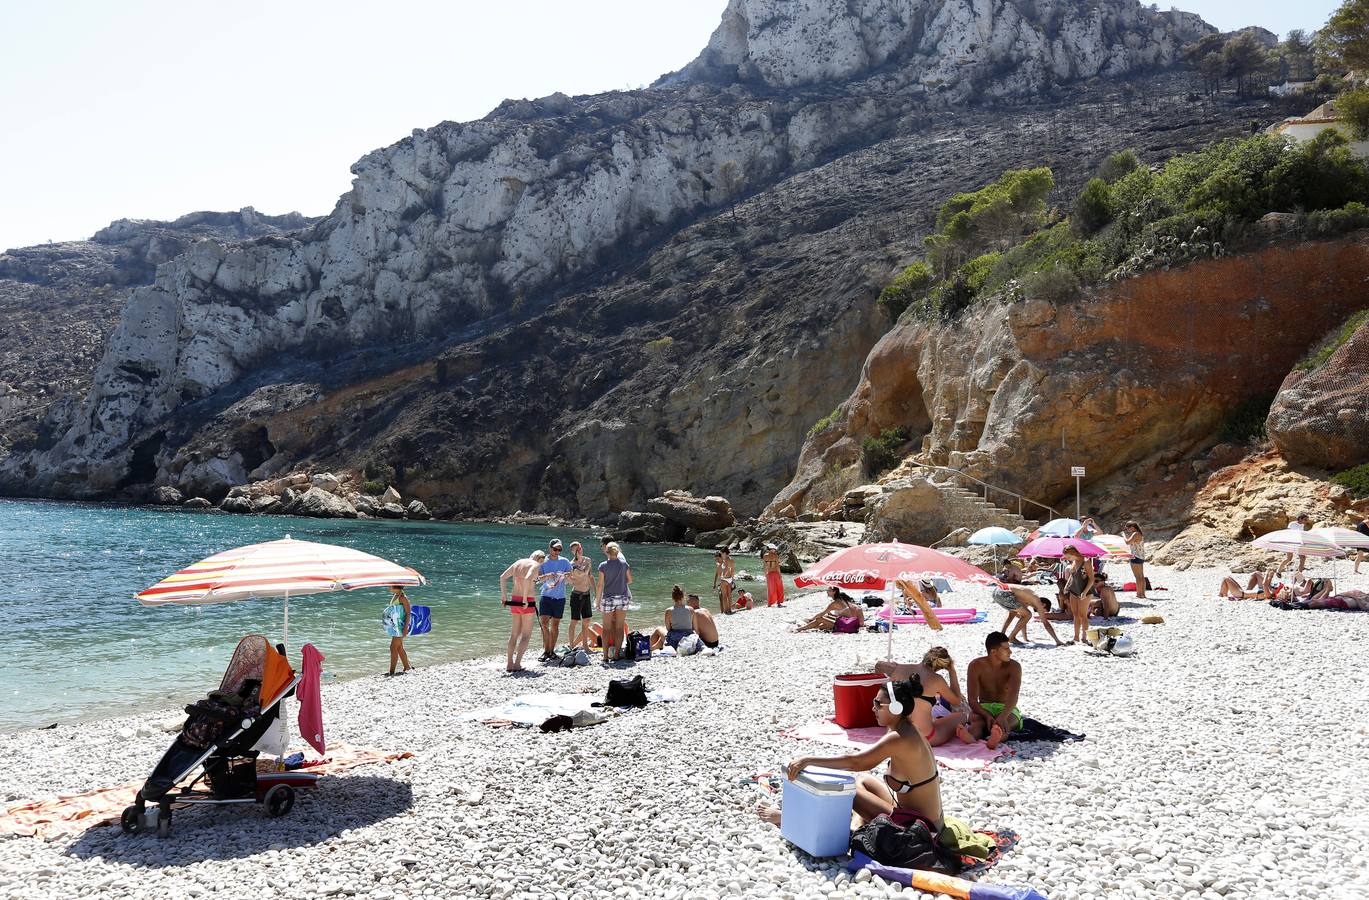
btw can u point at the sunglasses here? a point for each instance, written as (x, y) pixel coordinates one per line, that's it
(878, 703)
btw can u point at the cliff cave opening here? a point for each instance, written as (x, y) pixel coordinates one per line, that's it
(142, 465)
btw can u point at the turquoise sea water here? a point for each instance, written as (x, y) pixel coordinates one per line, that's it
(77, 645)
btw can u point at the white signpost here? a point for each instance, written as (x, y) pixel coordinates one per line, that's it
(1077, 472)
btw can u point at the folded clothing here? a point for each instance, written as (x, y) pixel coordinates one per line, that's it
(1033, 730)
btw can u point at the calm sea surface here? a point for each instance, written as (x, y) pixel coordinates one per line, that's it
(77, 645)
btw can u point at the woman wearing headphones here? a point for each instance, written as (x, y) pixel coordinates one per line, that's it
(911, 789)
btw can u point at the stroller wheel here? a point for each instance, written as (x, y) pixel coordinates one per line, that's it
(279, 800)
(129, 821)
(164, 824)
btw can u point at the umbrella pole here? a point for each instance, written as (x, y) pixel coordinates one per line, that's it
(889, 644)
(285, 637)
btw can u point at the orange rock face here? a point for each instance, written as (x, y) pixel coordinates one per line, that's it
(1016, 393)
(1321, 417)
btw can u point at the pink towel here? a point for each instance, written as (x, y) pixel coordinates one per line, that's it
(310, 700)
(952, 755)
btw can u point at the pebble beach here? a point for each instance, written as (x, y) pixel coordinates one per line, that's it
(1227, 758)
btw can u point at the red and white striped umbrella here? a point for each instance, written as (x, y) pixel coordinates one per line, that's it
(873, 566)
(285, 568)
(1344, 538)
(1301, 543)
(276, 569)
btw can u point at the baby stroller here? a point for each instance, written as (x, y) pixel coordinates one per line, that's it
(218, 737)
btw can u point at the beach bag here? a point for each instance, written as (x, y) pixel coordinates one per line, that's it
(625, 693)
(914, 847)
(689, 645)
(846, 625)
(642, 645)
(633, 640)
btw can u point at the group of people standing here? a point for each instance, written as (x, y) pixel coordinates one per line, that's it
(540, 585)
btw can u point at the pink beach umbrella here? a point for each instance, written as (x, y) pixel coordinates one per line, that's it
(1054, 548)
(872, 567)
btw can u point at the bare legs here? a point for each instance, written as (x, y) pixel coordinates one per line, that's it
(397, 653)
(551, 633)
(520, 632)
(613, 634)
(1138, 574)
(1080, 607)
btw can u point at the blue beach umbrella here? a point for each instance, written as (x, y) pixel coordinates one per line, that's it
(995, 537)
(1060, 528)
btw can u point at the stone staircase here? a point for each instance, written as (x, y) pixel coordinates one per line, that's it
(966, 506)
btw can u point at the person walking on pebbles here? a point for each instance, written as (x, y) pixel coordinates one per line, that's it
(724, 577)
(403, 623)
(992, 685)
(522, 608)
(615, 576)
(774, 582)
(551, 606)
(1136, 542)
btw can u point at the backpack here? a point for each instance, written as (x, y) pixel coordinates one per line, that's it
(632, 648)
(914, 847)
(625, 693)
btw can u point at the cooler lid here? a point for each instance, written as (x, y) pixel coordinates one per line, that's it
(826, 780)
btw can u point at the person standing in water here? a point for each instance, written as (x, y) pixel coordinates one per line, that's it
(398, 598)
(724, 577)
(774, 582)
(522, 608)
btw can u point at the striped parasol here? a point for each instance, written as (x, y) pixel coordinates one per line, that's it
(1301, 543)
(1345, 538)
(285, 568)
(1114, 545)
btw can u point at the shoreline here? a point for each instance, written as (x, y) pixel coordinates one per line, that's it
(1155, 802)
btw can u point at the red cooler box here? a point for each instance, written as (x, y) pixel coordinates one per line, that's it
(854, 697)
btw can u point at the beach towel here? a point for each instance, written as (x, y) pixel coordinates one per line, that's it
(952, 755)
(71, 814)
(947, 616)
(1032, 730)
(936, 883)
(533, 709)
(310, 719)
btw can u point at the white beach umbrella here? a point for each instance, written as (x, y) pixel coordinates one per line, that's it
(1345, 538)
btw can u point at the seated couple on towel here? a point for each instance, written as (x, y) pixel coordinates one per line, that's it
(911, 788)
(843, 615)
(1320, 593)
(988, 711)
(681, 621)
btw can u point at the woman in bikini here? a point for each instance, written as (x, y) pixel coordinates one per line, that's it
(1077, 591)
(842, 605)
(939, 721)
(911, 789)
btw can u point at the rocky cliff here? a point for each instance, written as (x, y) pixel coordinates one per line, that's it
(60, 301)
(576, 303)
(1125, 381)
(1321, 414)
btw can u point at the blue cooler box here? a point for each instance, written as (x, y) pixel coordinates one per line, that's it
(817, 811)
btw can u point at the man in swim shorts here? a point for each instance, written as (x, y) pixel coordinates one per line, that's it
(704, 625)
(552, 605)
(724, 577)
(774, 583)
(992, 683)
(522, 607)
(581, 595)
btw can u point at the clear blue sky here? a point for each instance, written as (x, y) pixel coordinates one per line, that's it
(154, 108)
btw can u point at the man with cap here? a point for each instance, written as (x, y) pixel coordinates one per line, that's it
(552, 604)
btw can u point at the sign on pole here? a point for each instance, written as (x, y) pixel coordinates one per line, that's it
(1077, 472)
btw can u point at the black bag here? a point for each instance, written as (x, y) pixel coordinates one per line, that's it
(630, 651)
(626, 693)
(914, 847)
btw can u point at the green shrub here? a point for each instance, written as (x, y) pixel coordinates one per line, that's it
(880, 454)
(1117, 165)
(373, 488)
(1355, 480)
(1055, 284)
(1093, 209)
(1245, 423)
(824, 423)
(661, 346)
(1331, 222)
(1328, 345)
(907, 287)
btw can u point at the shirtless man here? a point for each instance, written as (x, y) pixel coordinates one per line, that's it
(704, 626)
(774, 583)
(937, 721)
(724, 577)
(581, 595)
(993, 681)
(1020, 602)
(523, 608)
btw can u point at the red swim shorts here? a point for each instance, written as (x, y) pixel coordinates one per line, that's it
(522, 606)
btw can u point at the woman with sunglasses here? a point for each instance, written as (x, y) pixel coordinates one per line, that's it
(911, 788)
